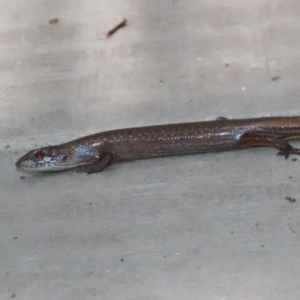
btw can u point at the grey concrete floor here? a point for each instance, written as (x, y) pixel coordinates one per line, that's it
(212, 226)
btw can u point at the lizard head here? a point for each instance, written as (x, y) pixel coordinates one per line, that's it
(50, 159)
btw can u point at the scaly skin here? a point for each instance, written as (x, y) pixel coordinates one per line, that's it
(95, 152)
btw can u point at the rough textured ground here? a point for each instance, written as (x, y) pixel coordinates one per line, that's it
(213, 226)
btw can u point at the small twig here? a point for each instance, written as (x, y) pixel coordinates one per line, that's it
(53, 21)
(274, 78)
(116, 28)
(290, 199)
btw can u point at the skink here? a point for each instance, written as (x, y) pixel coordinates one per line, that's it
(95, 152)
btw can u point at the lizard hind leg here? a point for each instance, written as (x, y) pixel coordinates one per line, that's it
(270, 140)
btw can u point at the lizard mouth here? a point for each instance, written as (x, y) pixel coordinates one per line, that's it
(30, 166)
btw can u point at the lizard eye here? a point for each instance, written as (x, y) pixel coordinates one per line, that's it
(39, 155)
(64, 157)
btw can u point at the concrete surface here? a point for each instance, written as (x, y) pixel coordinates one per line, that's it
(213, 226)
